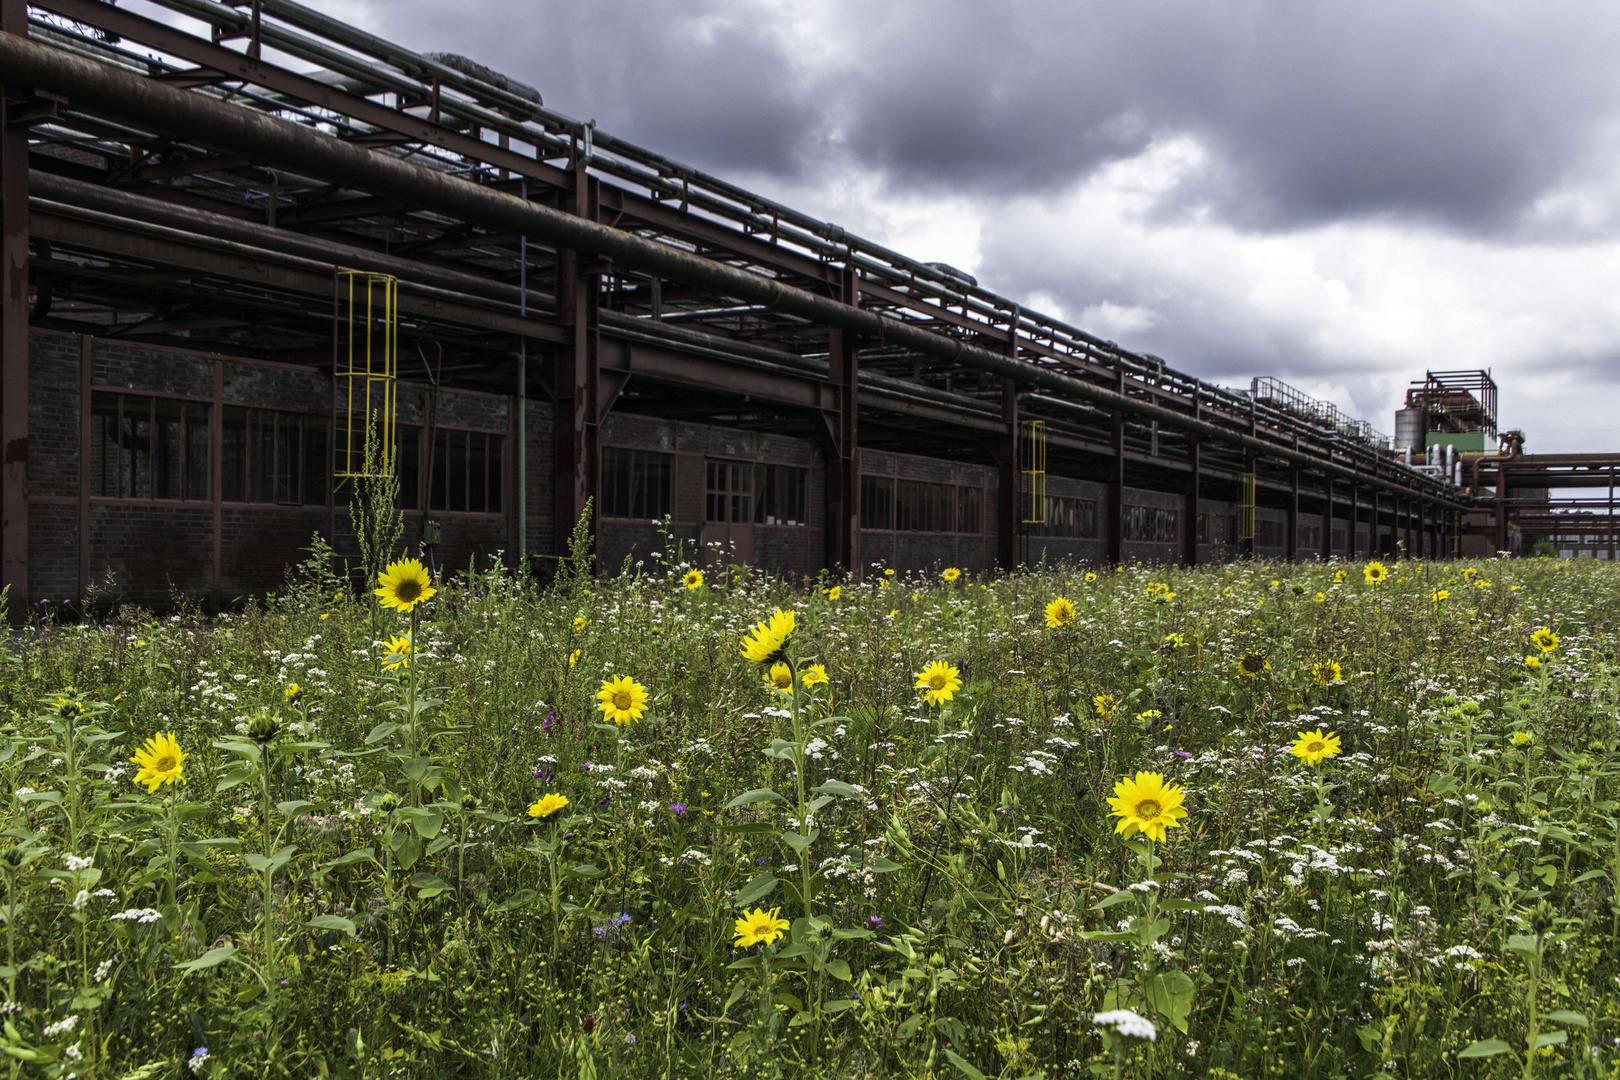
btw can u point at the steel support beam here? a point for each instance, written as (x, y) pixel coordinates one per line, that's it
(574, 380)
(1327, 520)
(1189, 535)
(1009, 499)
(1115, 548)
(841, 451)
(14, 331)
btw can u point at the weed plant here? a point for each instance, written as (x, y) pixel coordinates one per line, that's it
(705, 822)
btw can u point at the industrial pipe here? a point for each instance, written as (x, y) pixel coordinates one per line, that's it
(156, 106)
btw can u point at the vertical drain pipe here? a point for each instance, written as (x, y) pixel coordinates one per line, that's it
(521, 473)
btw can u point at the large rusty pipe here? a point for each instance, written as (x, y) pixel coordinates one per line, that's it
(101, 88)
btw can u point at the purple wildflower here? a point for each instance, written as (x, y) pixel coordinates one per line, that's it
(678, 808)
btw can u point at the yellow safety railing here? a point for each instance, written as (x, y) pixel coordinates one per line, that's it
(1034, 470)
(1246, 508)
(366, 360)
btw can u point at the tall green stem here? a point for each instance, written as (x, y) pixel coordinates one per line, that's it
(800, 742)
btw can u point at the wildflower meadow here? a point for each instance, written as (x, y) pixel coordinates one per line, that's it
(1252, 820)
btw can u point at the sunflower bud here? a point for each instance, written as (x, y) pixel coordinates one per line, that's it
(264, 727)
(11, 859)
(469, 803)
(1541, 918)
(389, 802)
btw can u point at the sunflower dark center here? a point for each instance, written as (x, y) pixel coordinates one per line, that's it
(622, 700)
(1148, 809)
(408, 591)
(937, 680)
(1315, 746)
(166, 763)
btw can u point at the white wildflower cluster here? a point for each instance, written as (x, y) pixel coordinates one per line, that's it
(138, 915)
(1125, 1023)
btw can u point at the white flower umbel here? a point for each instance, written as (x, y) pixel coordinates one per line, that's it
(1126, 1023)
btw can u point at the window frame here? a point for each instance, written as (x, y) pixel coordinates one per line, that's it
(187, 468)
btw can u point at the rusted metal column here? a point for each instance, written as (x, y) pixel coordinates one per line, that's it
(1501, 506)
(1247, 543)
(1327, 520)
(1010, 497)
(1116, 489)
(1611, 513)
(1189, 528)
(575, 376)
(14, 336)
(1291, 541)
(842, 448)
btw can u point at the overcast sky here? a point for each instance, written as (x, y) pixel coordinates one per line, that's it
(1337, 194)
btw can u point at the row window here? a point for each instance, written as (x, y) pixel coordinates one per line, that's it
(920, 506)
(1152, 525)
(1067, 518)
(267, 456)
(149, 448)
(466, 471)
(1268, 533)
(636, 483)
(1217, 528)
(740, 492)
(1308, 538)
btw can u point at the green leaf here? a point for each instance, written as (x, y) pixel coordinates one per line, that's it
(1551, 1038)
(238, 775)
(799, 842)
(1171, 993)
(428, 886)
(833, 1008)
(516, 900)
(381, 732)
(1484, 1048)
(352, 857)
(332, 922)
(293, 807)
(839, 970)
(1565, 1016)
(748, 798)
(1523, 944)
(964, 1064)
(587, 870)
(275, 862)
(407, 849)
(756, 889)
(836, 787)
(1107, 935)
(211, 958)
(882, 865)
(1119, 897)
(417, 768)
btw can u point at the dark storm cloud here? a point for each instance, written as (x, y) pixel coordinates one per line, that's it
(1458, 114)
(706, 82)
(1314, 112)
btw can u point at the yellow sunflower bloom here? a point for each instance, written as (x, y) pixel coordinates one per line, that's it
(1146, 804)
(814, 675)
(938, 682)
(951, 573)
(1315, 747)
(623, 700)
(835, 592)
(398, 653)
(1522, 738)
(291, 691)
(1439, 595)
(693, 579)
(161, 762)
(1545, 639)
(573, 658)
(1532, 662)
(1374, 572)
(1338, 578)
(547, 805)
(780, 678)
(1320, 598)
(765, 642)
(759, 927)
(404, 585)
(1326, 673)
(1107, 707)
(1059, 613)
(1253, 665)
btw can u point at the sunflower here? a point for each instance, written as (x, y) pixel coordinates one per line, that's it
(766, 640)
(398, 653)
(835, 592)
(938, 682)
(547, 805)
(404, 585)
(1059, 613)
(814, 675)
(1320, 598)
(759, 927)
(623, 700)
(1315, 747)
(1545, 639)
(1107, 707)
(780, 678)
(1253, 665)
(1338, 578)
(693, 579)
(1521, 738)
(1439, 595)
(291, 691)
(951, 573)
(1374, 572)
(1326, 673)
(1174, 641)
(1146, 804)
(1532, 662)
(161, 762)
(1091, 579)
(573, 658)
